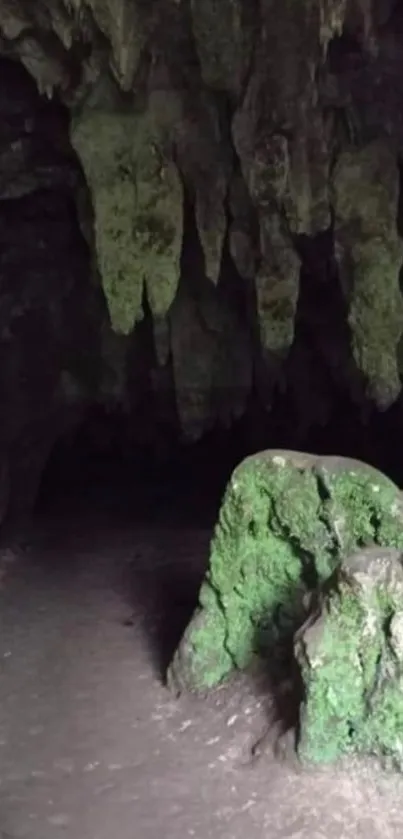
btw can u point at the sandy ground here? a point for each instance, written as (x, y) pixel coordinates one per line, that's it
(92, 746)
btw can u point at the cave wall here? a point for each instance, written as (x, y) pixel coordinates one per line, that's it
(238, 193)
(52, 311)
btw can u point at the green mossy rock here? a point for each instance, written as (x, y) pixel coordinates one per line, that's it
(137, 195)
(351, 661)
(286, 522)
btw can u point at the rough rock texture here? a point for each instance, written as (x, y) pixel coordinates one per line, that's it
(350, 655)
(366, 190)
(52, 314)
(286, 522)
(138, 203)
(239, 126)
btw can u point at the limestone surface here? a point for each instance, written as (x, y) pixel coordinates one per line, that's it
(234, 169)
(138, 198)
(368, 248)
(247, 134)
(287, 522)
(350, 654)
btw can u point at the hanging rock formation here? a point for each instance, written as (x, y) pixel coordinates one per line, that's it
(138, 201)
(218, 142)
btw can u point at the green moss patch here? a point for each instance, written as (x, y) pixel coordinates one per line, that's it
(286, 522)
(351, 661)
(138, 204)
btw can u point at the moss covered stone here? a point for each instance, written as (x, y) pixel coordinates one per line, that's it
(286, 522)
(138, 204)
(350, 655)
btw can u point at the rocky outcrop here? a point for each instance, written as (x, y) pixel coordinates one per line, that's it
(350, 656)
(287, 521)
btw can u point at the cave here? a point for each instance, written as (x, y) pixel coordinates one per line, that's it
(200, 259)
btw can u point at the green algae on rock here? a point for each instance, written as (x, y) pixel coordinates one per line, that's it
(138, 203)
(350, 655)
(286, 522)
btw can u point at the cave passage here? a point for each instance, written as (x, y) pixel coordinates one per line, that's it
(96, 467)
(90, 738)
(102, 485)
(92, 744)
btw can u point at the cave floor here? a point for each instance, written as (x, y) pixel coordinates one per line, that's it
(91, 743)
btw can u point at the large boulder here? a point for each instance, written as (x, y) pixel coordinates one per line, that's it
(350, 654)
(286, 522)
(218, 142)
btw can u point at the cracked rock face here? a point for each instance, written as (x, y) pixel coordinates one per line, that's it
(350, 655)
(286, 523)
(248, 123)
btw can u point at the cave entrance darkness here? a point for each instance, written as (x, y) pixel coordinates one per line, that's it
(319, 406)
(94, 467)
(101, 462)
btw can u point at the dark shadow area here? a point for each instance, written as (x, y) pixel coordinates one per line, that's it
(164, 590)
(343, 48)
(95, 484)
(118, 472)
(96, 477)
(164, 510)
(278, 684)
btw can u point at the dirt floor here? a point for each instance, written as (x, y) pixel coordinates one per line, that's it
(92, 746)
